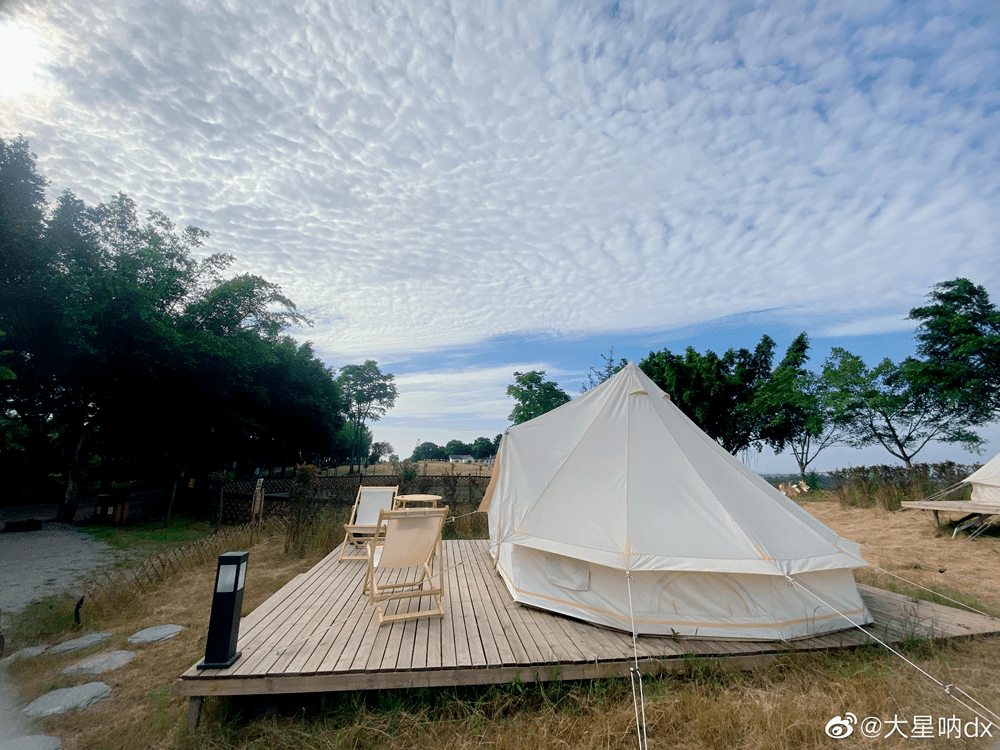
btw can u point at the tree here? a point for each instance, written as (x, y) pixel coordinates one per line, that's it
(457, 448)
(958, 337)
(132, 356)
(596, 377)
(22, 225)
(482, 447)
(378, 451)
(300, 419)
(793, 401)
(428, 451)
(368, 395)
(881, 406)
(350, 439)
(534, 396)
(719, 394)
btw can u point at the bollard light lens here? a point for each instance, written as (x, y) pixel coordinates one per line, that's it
(227, 579)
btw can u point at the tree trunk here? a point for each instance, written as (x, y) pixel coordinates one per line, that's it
(71, 499)
(222, 496)
(173, 494)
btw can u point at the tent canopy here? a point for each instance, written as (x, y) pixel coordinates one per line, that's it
(622, 478)
(616, 509)
(985, 482)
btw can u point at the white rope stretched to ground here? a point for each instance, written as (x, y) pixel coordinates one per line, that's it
(949, 688)
(279, 651)
(932, 591)
(942, 571)
(634, 674)
(941, 493)
(982, 527)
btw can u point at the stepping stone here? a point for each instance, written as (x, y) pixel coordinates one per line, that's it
(24, 653)
(155, 633)
(34, 742)
(85, 641)
(67, 699)
(100, 663)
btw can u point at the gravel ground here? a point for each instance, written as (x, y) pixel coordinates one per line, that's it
(35, 564)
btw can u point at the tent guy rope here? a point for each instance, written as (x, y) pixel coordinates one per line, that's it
(634, 673)
(932, 591)
(949, 688)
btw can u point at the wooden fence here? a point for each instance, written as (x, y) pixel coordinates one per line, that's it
(154, 569)
(456, 491)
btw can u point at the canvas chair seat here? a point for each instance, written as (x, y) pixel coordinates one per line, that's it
(411, 538)
(364, 525)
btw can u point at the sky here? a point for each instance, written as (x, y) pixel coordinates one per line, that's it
(464, 190)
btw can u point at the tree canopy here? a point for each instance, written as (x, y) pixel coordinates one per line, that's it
(368, 394)
(793, 402)
(720, 394)
(428, 451)
(134, 355)
(882, 406)
(958, 338)
(534, 395)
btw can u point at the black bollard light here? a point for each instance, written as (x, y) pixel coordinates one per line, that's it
(224, 622)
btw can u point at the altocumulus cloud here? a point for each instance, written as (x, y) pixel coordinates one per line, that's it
(420, 174)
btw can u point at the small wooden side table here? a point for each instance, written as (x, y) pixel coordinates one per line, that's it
(403, 501)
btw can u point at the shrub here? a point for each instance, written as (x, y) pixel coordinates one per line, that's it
(887, 486)
(304, 509)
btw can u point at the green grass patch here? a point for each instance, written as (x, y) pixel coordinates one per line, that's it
(932, 593)
(947, 597)
(42, 621)
(151, 537)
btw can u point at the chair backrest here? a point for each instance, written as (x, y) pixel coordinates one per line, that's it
(410, 535)
(370, 501)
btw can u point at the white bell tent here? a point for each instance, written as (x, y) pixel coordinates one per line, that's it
(616, 509)
(985, 482)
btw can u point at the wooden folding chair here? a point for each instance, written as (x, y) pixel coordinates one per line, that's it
(411, 537)
(364, 525)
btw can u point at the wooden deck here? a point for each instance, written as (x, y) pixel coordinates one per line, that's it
(979, 511)
(318, 634)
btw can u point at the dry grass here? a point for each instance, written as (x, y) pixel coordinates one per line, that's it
(783, 706)
(143, 711)
(906, 544)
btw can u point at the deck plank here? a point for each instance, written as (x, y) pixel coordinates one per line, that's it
(476, 651)
(485, 637)
(375, 645)
(325, 612)
(260, 647)
(480, 608)
(521, 643)
(490, 628)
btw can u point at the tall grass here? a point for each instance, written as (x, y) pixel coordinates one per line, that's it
(42, 621)
(465, 522)
(887, 486)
